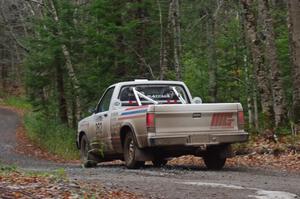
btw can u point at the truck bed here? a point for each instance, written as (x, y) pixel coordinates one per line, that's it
(196, 124)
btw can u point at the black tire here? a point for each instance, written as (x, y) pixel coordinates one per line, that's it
(214, 161)
(158, 162)
(84, 149)
(130, 148)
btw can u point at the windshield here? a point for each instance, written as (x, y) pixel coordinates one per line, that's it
(163, 94)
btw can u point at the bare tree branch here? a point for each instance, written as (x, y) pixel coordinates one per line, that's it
(142, 59)
(35, 1)
(12, 34)
(220, 4)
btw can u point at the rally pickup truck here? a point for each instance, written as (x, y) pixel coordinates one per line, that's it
(143, 120)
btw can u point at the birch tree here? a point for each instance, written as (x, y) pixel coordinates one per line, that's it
(259, 65)
(294, 31)
(176, 38)
(68, 62)
(272, 64)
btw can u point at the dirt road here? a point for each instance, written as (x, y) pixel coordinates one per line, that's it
(168, 182)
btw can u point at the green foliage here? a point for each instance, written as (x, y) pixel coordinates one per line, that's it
(17, 102)
(230, 49)
(102, 48)
(106, 40)
(51, 135)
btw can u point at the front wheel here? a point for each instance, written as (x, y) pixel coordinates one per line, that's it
(130, 149)
(84, 153)
(214, 161)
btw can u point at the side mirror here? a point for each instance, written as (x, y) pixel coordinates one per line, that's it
(197, 100)
(117, 104)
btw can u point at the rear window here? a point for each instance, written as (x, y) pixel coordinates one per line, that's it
(163, 94)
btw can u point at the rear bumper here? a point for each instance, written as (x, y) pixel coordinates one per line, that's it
(198, 139)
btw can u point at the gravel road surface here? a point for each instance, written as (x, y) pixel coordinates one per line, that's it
(167, 182)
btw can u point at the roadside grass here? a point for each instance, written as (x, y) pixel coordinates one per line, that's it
(50, 135)
(17, 102)
(7, 168)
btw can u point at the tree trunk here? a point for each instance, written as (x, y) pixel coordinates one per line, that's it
(280, 107)
(294, 30)
(161, 49)
(256, 122)
(212, 63)
(176, 38)
(248, 91)
(63, 109)
(140, 33)
(4, 74)
(18, 67)
(69, 65)
(259, 67)
(166, 44)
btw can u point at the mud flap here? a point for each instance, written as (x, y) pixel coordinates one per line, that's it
(95, 155)
(143, 155)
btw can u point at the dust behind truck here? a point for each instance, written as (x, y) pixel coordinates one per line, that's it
(143, 120)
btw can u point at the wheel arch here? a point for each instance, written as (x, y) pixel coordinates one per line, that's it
(81, 133)
(127, 127)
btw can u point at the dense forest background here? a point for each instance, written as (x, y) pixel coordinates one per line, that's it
(62, 54)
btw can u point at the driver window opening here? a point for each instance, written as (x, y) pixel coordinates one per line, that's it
(105, 101)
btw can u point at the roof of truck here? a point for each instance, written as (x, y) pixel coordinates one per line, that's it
(145, 81)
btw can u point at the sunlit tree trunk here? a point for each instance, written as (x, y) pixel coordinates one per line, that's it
(259, 65)
(294, 31)
(280, 107)
(69, 64)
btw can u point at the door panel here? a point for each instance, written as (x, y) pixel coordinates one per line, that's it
(101, 122)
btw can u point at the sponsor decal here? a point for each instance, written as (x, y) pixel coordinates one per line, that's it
(134, 108)
(133, 112)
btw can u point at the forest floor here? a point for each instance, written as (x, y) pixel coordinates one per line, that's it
(15, 183)
(259, 152)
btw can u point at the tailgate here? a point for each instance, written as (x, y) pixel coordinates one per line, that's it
(196, 118)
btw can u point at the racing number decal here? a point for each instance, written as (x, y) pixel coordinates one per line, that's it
(99, 125)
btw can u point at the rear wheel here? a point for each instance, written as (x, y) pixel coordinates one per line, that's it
(84, 155)
(213, 160)
(158, 162)
(130, 149)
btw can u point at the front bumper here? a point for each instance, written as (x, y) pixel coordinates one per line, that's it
(198, 139)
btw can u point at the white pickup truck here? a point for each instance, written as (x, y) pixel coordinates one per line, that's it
(143, 120)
